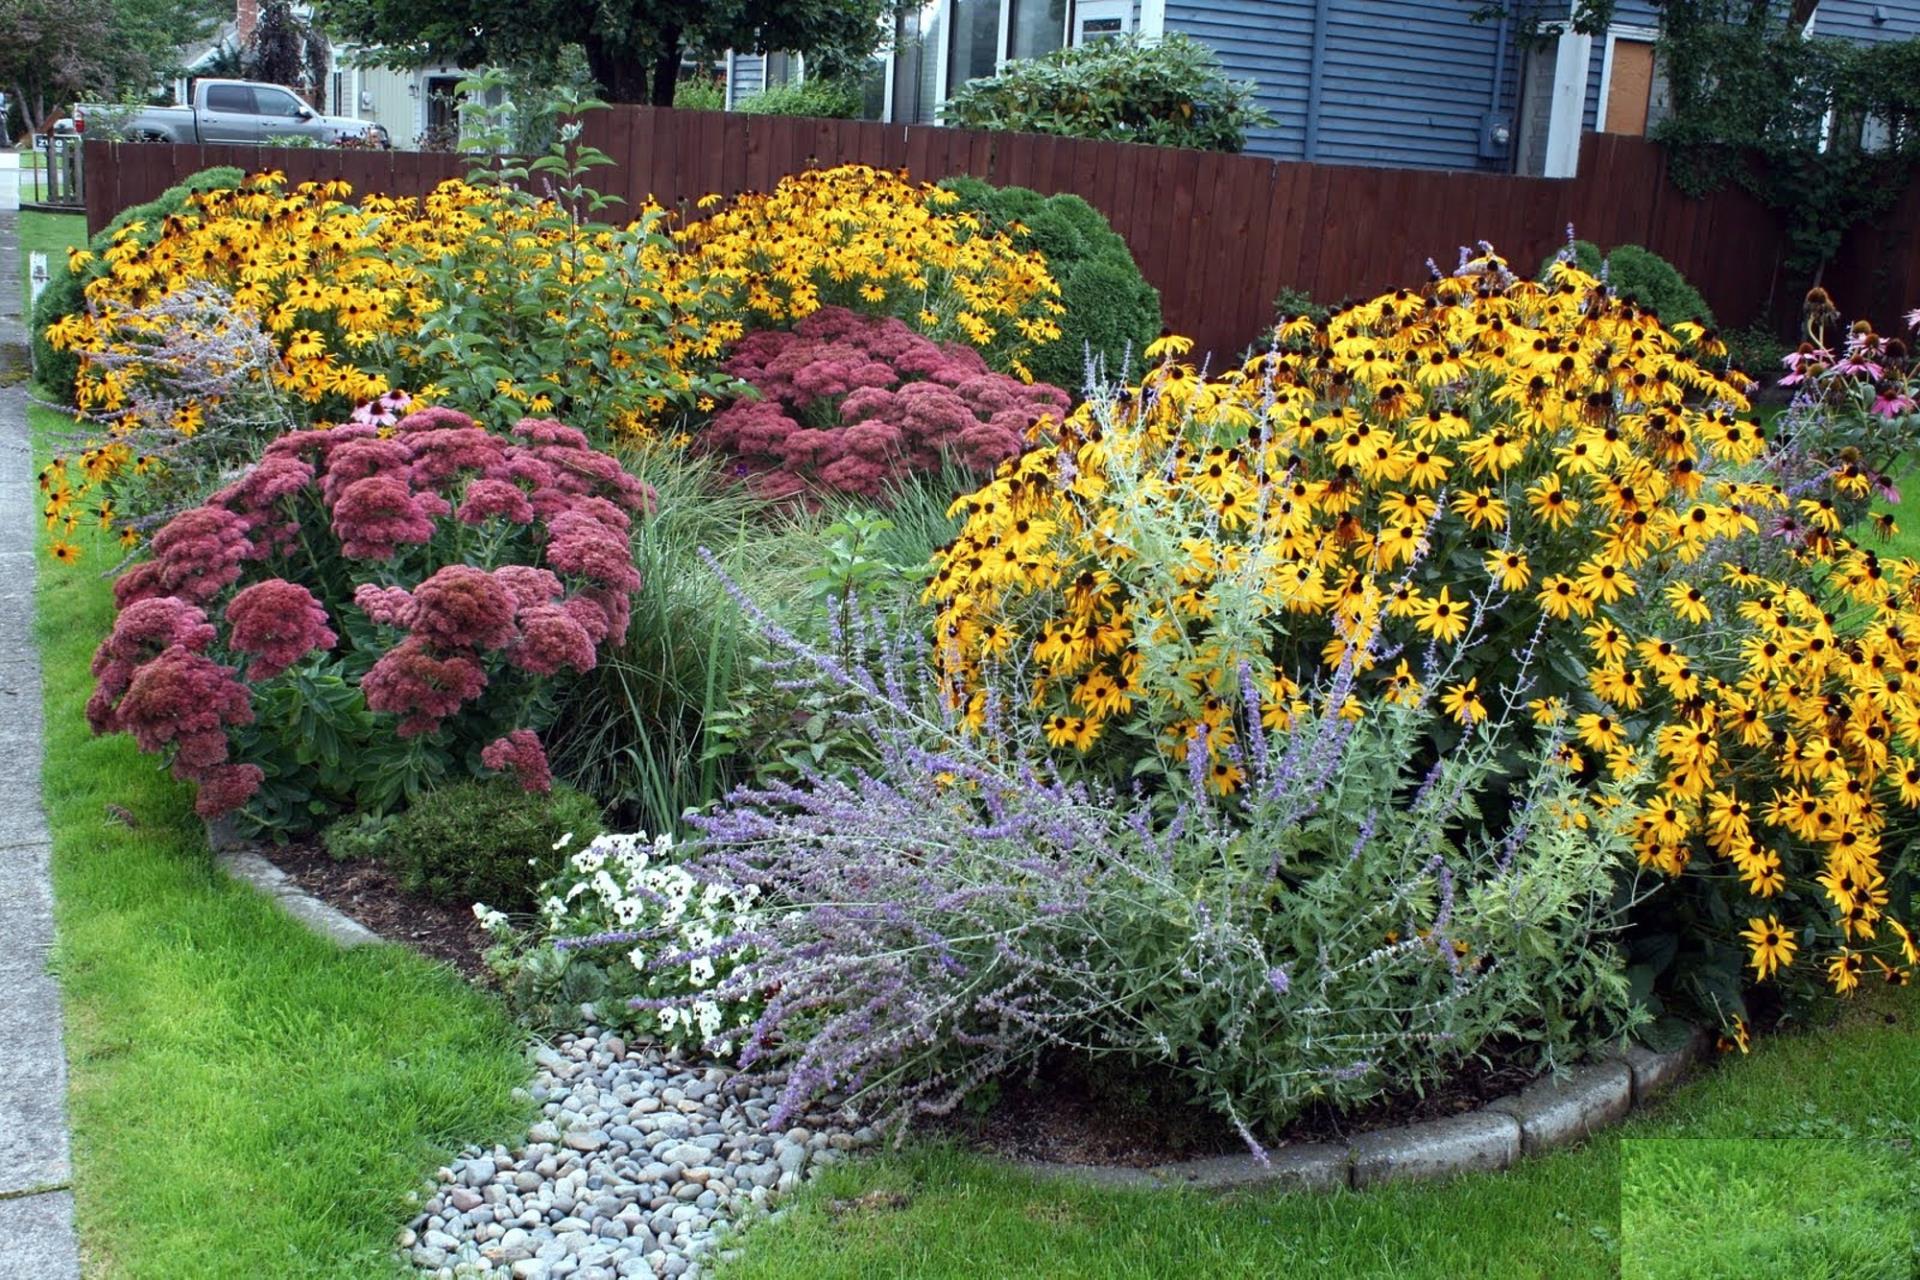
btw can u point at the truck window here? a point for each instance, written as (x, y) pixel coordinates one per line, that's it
(235, 98)
(276, 102)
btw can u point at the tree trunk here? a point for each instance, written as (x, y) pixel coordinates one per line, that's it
(666, 67)
(617, 70)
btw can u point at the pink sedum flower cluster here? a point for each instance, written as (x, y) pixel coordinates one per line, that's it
(392, 512)
(853, 403)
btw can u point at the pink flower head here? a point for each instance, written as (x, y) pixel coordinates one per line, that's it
(443, 453)
(551, 637)
(1892, 402)
(359, 459)
(279, 623)
(547, 431)
(388, 606)
(226, 787)
(521, 752)
(486, 499)
(143, 630)
(586, 548)
(529, 586)
(375, 516)
(421, 687)
(200, 552)
(262, 487)
(382, 411)
(178, 694)
(436, 418)
(142, 582)
(461, 607)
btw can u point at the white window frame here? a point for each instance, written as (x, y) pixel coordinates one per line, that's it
(1615, 34)
(1003, 39)
(1567, 105)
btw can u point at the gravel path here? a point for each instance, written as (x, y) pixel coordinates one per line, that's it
(635, 1166)
(36, 1204)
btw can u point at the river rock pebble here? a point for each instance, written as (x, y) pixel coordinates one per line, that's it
(636, 1163)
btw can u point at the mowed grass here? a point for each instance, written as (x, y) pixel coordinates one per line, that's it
(1552, 1218)
(1756, 1209)
(247, 1099)
(49, 233)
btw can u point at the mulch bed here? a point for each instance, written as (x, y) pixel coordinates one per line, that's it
(1060, 1117)
(371, 894)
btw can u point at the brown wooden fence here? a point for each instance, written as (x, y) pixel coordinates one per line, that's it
(1219, 235)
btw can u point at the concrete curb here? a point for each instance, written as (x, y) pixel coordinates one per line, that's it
(1553, 1112)
(242, 860)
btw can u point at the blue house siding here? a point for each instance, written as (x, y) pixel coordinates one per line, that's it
(1269, 42)
(1403, 82)
(1853, 20)
(749, 75)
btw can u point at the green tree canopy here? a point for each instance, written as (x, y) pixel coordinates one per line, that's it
(633, 47)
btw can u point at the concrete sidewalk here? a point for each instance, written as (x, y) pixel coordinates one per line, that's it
(36, 1202)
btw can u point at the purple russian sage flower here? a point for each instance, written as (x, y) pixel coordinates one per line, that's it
(1279, 979)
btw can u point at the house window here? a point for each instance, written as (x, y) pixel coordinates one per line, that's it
(973, 48)
(1035, 27)
(1632, 87)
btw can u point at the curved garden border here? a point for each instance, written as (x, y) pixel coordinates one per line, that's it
(1552, 1112)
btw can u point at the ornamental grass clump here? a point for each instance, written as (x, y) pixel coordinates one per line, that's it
(852, 404)
(368, 610)
(1520, 455)
(869, 240)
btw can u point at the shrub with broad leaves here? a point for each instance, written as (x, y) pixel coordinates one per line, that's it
(367, 610)
(852, 404)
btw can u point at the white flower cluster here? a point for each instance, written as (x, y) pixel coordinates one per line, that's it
(629, 883)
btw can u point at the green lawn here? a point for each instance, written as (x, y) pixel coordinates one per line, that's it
(1737, 1209)
(1557, 1217)
(247, 1100)
(49, 233)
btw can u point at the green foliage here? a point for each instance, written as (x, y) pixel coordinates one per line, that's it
(488, 841)
(835, 99)
(1111, 310)
(700, 93)
(1729, 1208)
(1758, 105)
(1170, 93)
(1644, 277)
(358, 837)
(632, 47)
(56, 370)
(1756, 351)
(1291, 303)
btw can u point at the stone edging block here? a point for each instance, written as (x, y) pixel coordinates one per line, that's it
(1549, 1113)
(1480, 1141)
(239, 859)
(1556, 1111)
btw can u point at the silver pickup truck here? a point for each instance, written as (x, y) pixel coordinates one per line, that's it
(231, 111)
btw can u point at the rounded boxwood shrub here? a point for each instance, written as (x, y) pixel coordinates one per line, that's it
(1642, 276)
(488, 841)
(1110, 307)
(56, 370)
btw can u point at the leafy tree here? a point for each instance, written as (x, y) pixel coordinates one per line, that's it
(633, 47)
(56, 52)
(286, 50)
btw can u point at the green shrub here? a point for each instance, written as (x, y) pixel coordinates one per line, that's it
(1171, 93)
(488, 841)
(1756, 351)
(1111, 309)
(56, 370)
(835, 99)
(358, 837)
(1643, 276)
(702, 93)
